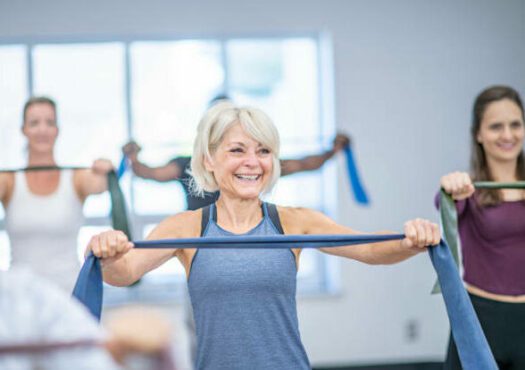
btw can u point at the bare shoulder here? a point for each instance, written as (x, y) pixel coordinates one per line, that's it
(299, 220)
(186, 224)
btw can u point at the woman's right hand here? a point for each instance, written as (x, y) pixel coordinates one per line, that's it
(109, 244)
(458, 184)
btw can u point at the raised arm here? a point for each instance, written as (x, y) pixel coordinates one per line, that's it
(419, 234)
(313, 162)
(168, 172)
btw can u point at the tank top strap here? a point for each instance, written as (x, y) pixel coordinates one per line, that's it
(273, 216)
(207, 218)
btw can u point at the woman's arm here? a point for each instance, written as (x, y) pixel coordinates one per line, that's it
(93, 180)
(168, 172)
(419, 234)
(314, 162)
(122, 264)
(6, 187)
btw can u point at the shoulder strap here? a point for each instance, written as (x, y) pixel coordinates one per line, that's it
(274, 217)
(205, 218)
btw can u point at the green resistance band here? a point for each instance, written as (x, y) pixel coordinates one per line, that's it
(449, 217)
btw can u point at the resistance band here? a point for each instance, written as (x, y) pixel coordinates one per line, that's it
(357, 187)
(472, 345)
(449, 217)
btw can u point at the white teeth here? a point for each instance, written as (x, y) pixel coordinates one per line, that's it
(248, 177)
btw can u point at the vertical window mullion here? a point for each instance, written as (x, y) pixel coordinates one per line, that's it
(30, 76)
(224, 59)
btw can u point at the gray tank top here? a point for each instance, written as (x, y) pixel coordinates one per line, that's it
(244, 303)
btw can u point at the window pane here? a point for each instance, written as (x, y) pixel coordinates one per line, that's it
(281, 77)
(151, 197)
(172, 83)
(87, 81)
(13, 94)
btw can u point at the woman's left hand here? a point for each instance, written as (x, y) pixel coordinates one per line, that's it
(420, 233)
(102, 166)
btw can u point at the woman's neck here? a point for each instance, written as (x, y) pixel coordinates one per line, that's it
(41, 159)
(238, 215)
(502, 171)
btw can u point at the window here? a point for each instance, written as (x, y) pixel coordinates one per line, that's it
(155, 92)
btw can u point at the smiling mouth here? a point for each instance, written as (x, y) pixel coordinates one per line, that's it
(506, 146)
(248, 177)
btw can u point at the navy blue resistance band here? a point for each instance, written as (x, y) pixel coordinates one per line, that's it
(355, 181)
(472, 345)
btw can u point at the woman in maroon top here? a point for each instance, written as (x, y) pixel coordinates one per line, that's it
(492, 225)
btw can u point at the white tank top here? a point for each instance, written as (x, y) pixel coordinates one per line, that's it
(43, 230)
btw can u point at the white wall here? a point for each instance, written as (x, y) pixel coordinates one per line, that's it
(406, 73)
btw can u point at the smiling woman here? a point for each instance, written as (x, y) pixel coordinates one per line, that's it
(249, 147)
(492, 225)
(44, 208)
(244, 299)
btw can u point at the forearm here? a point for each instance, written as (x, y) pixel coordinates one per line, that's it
(168, 172)
(143, 171)
(310, 163)
(388, 253)
(118, 272)
(316, 161)
(382, 253)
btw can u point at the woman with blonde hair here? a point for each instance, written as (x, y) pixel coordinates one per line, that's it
(244, 299)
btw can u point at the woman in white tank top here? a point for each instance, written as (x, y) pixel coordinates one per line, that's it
(44, 208)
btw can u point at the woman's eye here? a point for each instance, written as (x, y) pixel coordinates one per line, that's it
(265, 151)
(495, 127)
(516, 124)
(236, 150)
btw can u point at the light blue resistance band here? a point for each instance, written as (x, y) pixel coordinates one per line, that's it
(353, 175)
(472, 345)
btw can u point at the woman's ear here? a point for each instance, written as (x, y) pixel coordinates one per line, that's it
(478, 138)
(208, 163)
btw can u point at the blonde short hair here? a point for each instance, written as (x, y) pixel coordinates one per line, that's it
(210, 133)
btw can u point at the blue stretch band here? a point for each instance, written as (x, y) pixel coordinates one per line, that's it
(472, 345)
(122, 167)
(353, 175)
